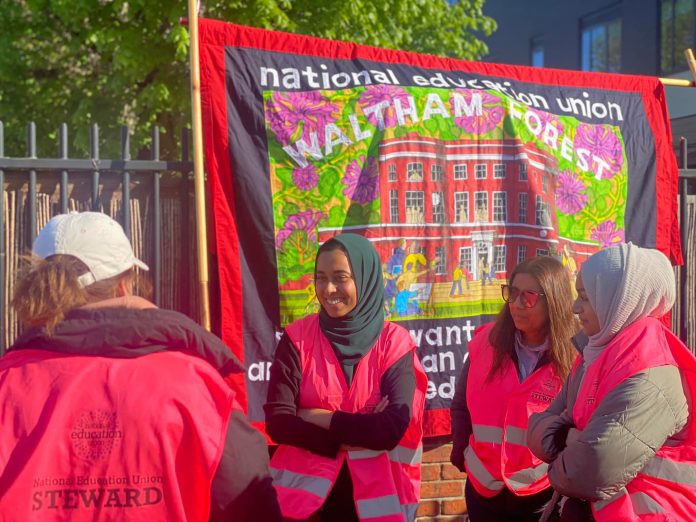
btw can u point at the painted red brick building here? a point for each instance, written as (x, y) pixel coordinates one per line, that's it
(459, 202)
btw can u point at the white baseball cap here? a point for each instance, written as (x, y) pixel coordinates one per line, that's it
(93, 238)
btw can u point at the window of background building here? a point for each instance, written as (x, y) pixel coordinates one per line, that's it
(414, 206)
(461, 207)
(601, 41)
(481, 171)
(392, 172)
(522, 209)
(499, 171)
(542, 252)
(438, 207)
(536, 58)
(523, 172)
(500, 206)
(543, 217)
(499, 254)
(440, 262)
(465, 259)
(414, 171)
(677, 26)
(521, 254)
(481, 206)
(436, 172)
(460, 171)
(394, 206)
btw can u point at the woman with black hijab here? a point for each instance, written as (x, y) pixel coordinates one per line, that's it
(345, 399)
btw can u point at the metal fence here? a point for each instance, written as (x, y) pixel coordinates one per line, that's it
(154, 201)
(684, 314)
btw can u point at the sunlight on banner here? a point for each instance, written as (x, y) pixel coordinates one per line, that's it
(454, 187)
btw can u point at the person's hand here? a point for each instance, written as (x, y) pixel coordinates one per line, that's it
(316, 416)
(348, 447)
(568, 418)
(557, 429)
(573, 435)
(381, 405)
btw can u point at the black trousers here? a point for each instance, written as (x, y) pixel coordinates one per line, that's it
(340, 506)
(505, 506)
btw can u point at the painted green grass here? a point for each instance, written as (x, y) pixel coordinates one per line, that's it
(293, 305)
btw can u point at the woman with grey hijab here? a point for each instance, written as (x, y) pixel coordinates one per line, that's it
(619, 437)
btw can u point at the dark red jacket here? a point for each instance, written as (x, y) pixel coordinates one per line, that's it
(150, 367)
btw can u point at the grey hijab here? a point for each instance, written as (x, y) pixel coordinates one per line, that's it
(625, 283)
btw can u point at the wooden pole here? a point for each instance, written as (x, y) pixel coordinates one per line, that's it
(199, 181)
(678, 82)
(691, 61)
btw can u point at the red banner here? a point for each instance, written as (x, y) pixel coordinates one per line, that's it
(455, 170)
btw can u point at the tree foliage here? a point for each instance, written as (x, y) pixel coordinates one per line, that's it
(125, 62)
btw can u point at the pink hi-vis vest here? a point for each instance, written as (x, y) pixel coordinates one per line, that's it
(86, 438)
(386, 484)
(665, 488)
(497, 455)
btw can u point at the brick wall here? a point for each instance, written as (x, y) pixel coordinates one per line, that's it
(442, 488)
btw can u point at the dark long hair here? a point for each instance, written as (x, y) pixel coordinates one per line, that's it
(554, 280)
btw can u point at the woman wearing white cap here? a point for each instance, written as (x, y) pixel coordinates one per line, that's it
(620, 438)
(113, 408)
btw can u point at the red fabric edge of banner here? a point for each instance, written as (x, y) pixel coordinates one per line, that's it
(220, 191)
(218, 34)
(667, 237)
(436, 423)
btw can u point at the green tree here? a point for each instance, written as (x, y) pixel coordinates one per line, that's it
(125, 62)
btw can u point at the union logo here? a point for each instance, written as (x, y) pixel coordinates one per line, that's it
(95, 433)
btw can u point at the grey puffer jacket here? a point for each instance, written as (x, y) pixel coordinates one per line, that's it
(631, 423)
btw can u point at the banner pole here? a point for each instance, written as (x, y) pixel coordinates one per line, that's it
(678, 82)
(691, 62)
(199, 181)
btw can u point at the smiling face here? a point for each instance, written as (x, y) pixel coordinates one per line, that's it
(583, 309)
(334, 282)
(531, 322)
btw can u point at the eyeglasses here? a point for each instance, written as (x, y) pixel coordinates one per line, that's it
(529, 297)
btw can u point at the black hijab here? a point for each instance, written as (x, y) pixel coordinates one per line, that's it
(352, 335)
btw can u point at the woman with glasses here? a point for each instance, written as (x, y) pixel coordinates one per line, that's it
(345, 399)
(620, 438)
(516, 366)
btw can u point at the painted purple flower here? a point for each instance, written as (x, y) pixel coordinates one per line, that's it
(546, 118)
(305, 221)
(361, 180)
(383, 116)
(570, 198)
(607, 234)
(486, 115)
(606, 155)
(305, 177)
(294, 115)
